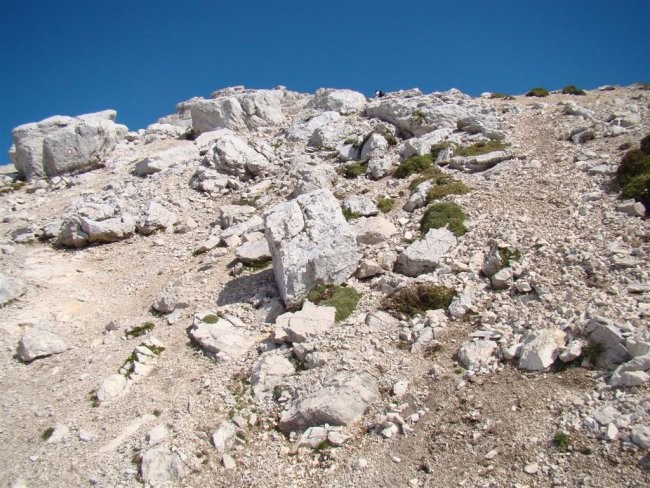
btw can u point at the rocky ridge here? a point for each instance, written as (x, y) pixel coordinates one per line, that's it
(157, 326)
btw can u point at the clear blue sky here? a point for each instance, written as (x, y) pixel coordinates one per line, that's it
(142, 57)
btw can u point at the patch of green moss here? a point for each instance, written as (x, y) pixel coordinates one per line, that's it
(156, 350)
(210, 319)
(444, 214)
(537, 92)
(385, 204)
(417, 298)
(480, 147)
(353, 170)
(351, 141)
(592, 351)
(390, 139)
(349, 214)
(258, 265)
(451, 188)
(436, 148)
(507, 256)
(140, 330)
(414, 164)
(561, 441)
(47, 433)
(572, 90)
(343, 298)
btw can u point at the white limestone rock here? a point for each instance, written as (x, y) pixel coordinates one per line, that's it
(360, 205)
(157, 218)
(224, 339)
(419, 196)
(111, 387)
(183, 154)
(61, 145)
(379, 168)
(475, 354)
(268, 372)
(374, 230)
(312, 320)
(302, 130)
(10, 288)
(374, 147)
(460, 305)
(311, 243)
(541, 348)
(232, 155)
(424, 255)
(39, 341)
(253, 251)
(311, 174)
(345, 102)
(342, 401)
(224, 436)
(161, 467)
(482, 162)
(419, 146)
(230, 215)
(641, 436)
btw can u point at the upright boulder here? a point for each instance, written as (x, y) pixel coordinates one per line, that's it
(232, 155)
(311, 243)
(60, 145)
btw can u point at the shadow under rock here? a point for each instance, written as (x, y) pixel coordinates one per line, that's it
(243, 288)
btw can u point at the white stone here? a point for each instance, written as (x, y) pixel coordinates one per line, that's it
(641, 436)
(224, 436)
(541, 348)
(502, 279)
(303, 129)
(311, 243)
(232, 155)
(475, 354)
(253, 251)
(157, 435)
(157, 218)
(373, 230)
(460, 305)
(183, 154)
(360, 205)
(379, 167)
(424, 255)
(227, 341)
(345, 102)
(39, 341)
(160, 467)
(375, 146)
(59, 433)
(111, 387)
(268, 372)
(312, 320)
(10, 288)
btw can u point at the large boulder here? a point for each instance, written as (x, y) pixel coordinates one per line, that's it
(232, 155)
(303, 129)
(341, 402)
(418, 115)
(311, 243)
(60, 145)
(249, 110)
(418, 146)
(424, 255)
(345, 102)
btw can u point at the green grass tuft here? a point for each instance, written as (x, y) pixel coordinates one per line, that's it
(507, 256)
(440, 215)
(385, 204)
(417, 298)
(349, 214)
(140, 330)
(351, 171)
(633, 173)
(452, 188)
(343, 298)
(537, 92)
(572, 90)
(481, 147)
(47, 433)
(414, 164)
(561, 441)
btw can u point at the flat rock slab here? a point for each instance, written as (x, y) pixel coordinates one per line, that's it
(311, 321)
(474, 354)
(424, 255)
(10, 288)
(341, 402)
(40, 341)
(268, 372)
(160, 467)
(374, 230)
(223, 339)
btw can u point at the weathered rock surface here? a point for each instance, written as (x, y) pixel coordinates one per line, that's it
(424, 255)
(374, 230)
(310, 321)
(60, 145)
(226, 340)
(183, 154)
(39, 341)
(232, 155)
(10, 288)
(344, 102)
(111, 387)
(160, 467)
(541, 348)
(311, 243)
(340, 402)
(268, 372)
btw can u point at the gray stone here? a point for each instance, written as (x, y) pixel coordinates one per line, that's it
(160, 467)
(111, 387)
(482, 162)
(232, 155)
(474, 354)
(228, 461)
(229, 215)
(375, 146)
(605, 415)
(253, 252)
(424, 255)
(379, 167)
(460, 305)
(374, 230)
(341, 402)
(59, 434)
(224, 339)
(268, 372)
(311, 321)
(419, 197)
(541, 348)
(419, 146)
(224, 436)
(360, 205)
(303, 129)
(311, 174)
(502, 279)
(641, 436)
(157, 435)
(40, 341)
(182, 155)
(381, 319)
(311, 243)
(10, 288)
(608, 335)
(368, 268)
(109, 230)
(157, 218)
(632, 208)
(345, 102)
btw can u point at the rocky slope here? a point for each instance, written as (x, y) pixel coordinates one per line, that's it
(155, 328)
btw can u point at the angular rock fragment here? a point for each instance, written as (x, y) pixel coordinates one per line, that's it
(268, 372)
(40, 341)
(161, 467)
(311, 321)
(226, 340)
(475, 354)
(424, 255)
(541, 348)
(10, 288)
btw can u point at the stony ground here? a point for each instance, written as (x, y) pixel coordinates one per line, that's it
(488, 428)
